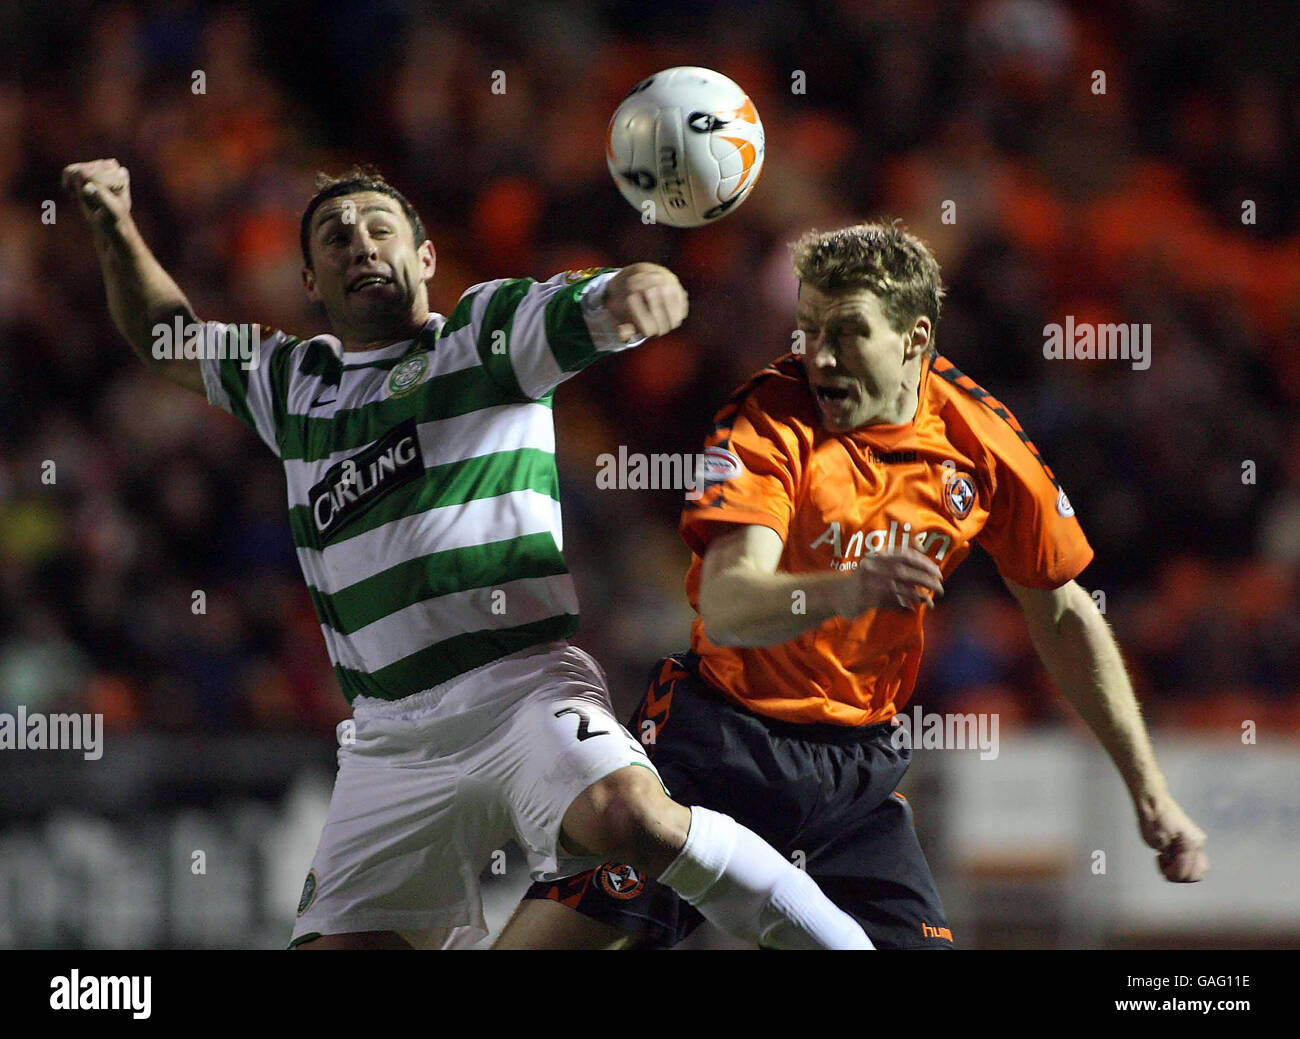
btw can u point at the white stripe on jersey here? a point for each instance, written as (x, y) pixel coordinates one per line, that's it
(508, 427)
(391, 639)
(471, 523)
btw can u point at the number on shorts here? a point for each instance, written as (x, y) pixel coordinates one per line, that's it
(583, 723)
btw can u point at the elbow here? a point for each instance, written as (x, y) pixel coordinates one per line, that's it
(720, 626)
(1079, 622)
(726, 629)
(720, 635)
(1081, 610)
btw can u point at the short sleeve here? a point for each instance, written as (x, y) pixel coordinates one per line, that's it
(748, 474)
(533, 335)
(246, 374)
(1031, 532)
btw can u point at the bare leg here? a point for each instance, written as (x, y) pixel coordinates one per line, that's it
(539, 923)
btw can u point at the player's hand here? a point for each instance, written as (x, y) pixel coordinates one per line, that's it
(102, 188)
(645, 300)
(901, 580)
(1180, 842)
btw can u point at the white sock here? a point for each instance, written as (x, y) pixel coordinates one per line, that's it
(742, 884)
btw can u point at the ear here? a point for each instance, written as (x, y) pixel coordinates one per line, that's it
(918, 340)
(309, 284)
(428, 259)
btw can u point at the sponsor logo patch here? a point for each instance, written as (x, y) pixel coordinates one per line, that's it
(718, 464)
(620, 881)
(355, 484)
(580, 273)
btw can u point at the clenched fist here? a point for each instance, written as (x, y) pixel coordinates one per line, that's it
(103, 189)
(1179, 841)
(646, 300)
(901, 580)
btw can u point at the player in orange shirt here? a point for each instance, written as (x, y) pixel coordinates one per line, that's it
(844, 487)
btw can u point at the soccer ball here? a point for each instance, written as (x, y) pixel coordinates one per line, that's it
(689, 141)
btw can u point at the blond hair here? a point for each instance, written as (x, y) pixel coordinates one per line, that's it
(884, 258)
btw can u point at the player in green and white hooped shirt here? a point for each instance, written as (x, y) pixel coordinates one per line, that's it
(419, 457)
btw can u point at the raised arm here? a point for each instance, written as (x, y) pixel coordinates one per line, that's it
(745, 602)
(534, 335)
(1080, 653)
(141, 295)
(645, 299)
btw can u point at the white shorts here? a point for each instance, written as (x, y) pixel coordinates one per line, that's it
(431, 785)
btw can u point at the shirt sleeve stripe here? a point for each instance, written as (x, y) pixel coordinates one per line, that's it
(945, 368)
(496, 314)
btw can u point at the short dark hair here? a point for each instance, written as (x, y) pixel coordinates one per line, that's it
(358, 178)
(883, 257)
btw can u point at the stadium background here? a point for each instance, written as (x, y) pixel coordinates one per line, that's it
(1119, 206)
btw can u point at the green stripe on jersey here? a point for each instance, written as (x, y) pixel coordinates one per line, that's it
(440, 396)
(437, 574)
(570, 343)
(455, 483)
(235, 377)
(235, 382)
(494, 335)
(460, 315)
(445, 660)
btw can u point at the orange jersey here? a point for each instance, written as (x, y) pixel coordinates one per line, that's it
(962, 471)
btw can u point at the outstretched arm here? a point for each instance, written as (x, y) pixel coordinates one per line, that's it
(645, 300)
(532, 336)
(1079, 651)
(141, 295)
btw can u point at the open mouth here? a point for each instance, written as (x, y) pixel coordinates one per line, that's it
(832, 394)
(369, 281)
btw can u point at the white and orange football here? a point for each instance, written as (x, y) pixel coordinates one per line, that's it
(685, 147)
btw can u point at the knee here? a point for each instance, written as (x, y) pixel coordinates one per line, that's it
(635, 820)
(626, 804)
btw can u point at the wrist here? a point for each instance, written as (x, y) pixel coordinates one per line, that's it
(1148, 791)
(601, 323)
(846, 595)
(116, 235)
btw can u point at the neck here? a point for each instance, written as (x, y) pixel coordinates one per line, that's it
(360, 342)
(908, 400)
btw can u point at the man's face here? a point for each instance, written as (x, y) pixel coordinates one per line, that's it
(368, 270)
(856, 362)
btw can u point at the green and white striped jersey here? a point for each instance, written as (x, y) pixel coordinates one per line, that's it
(423, 494)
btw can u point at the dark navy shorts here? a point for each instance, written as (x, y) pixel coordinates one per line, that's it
(823, 795)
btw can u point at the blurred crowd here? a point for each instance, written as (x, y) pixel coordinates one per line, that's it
(1125, 162)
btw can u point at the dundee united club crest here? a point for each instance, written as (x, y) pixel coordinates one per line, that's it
(959, 495)
(621, 881)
